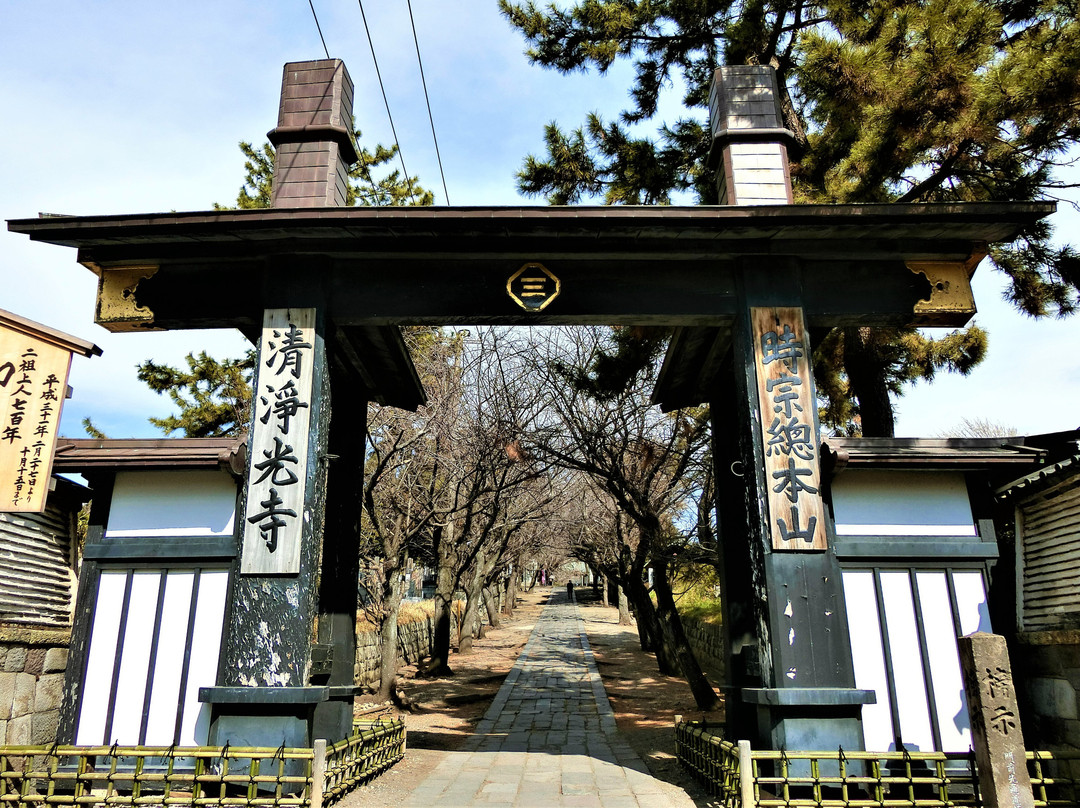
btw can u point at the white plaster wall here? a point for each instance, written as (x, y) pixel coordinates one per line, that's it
(172, 503)
(901, 503)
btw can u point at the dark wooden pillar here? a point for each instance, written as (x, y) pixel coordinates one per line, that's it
(335, 649)
(273, 611)
(287, 671)
(742, 565)
(791, 681)
(791, 663)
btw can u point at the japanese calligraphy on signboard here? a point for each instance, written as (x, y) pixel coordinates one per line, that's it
(33, 381)
(277, 468)
(34, 364)
(789, 434)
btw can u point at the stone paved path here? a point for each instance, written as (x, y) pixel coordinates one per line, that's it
(549, 738)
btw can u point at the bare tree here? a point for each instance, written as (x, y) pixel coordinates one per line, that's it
(974, 427)
(643, 462)
(482, 471)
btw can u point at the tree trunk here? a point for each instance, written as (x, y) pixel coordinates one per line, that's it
(510, 602)
(491, 603)
(470, 621)
(388, 638)
(439, 664)
(864, 365)
(624, 607)
(674, 636)
(649, 628)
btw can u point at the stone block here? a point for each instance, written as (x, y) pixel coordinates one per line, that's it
(19, 731)
(1058, 733)
(1052, 696)
(23, 703)
(56, 660)
(1039, 660)
(35, 661)
(7, 694)
(50, 692)
(995, 722)
(15, 661)
(43, 727)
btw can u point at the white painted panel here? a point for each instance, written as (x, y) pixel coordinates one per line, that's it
(971, 602)
(906, 657)
(135, 661)
(901, 503)
(100, 658)
(948, 681)
(209, 620)
(868, 658)
(169, 664)
(172, 503)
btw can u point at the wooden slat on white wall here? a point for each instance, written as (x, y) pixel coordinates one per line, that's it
(36, 572)
(1048, 530)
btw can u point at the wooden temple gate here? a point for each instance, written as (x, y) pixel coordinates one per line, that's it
(322, 290)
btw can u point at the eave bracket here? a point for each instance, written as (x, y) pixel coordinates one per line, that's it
(951, 302)
(117, 309)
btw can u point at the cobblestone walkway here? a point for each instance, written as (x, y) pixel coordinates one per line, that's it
(549, 738)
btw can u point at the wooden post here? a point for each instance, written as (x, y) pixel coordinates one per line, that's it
(746, 775)
(318, 773)
(995, 722)
(788, 636)
(272, 615)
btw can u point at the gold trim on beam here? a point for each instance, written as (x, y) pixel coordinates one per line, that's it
(117, 309)
(951, 302)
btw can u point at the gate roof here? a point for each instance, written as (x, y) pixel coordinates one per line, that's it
(375, 268)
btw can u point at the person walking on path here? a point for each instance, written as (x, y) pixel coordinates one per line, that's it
(549, 737)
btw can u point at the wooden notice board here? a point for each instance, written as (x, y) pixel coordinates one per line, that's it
(789, 432)
(33, 385)
(277, 468)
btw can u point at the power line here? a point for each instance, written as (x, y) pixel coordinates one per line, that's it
(318, 27)
(386, 103)
(375, 190)
(427, 100)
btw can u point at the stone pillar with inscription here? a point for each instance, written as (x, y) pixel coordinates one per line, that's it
(995, 722)
(791, 680)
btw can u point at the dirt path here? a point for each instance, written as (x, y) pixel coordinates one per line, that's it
(447, 709)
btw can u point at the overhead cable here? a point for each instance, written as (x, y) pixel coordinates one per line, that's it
(382, 87)
(427, 100)
(318, 28)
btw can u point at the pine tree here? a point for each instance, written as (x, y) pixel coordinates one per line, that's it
(213, 397)
(890, 100)
(367, 187)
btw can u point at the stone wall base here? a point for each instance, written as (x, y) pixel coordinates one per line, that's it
(32, 665)
(1047, 673)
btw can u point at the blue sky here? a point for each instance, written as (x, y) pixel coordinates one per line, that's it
(125, 107)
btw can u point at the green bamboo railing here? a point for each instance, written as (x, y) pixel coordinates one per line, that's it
(199, 776)
(747, 778)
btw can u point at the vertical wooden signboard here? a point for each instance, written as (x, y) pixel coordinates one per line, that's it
(33, 384)
(789, 433)
(277, 468)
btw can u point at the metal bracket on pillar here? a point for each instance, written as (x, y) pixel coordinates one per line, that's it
(322, 658)
(117, 309)
(951, 301)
